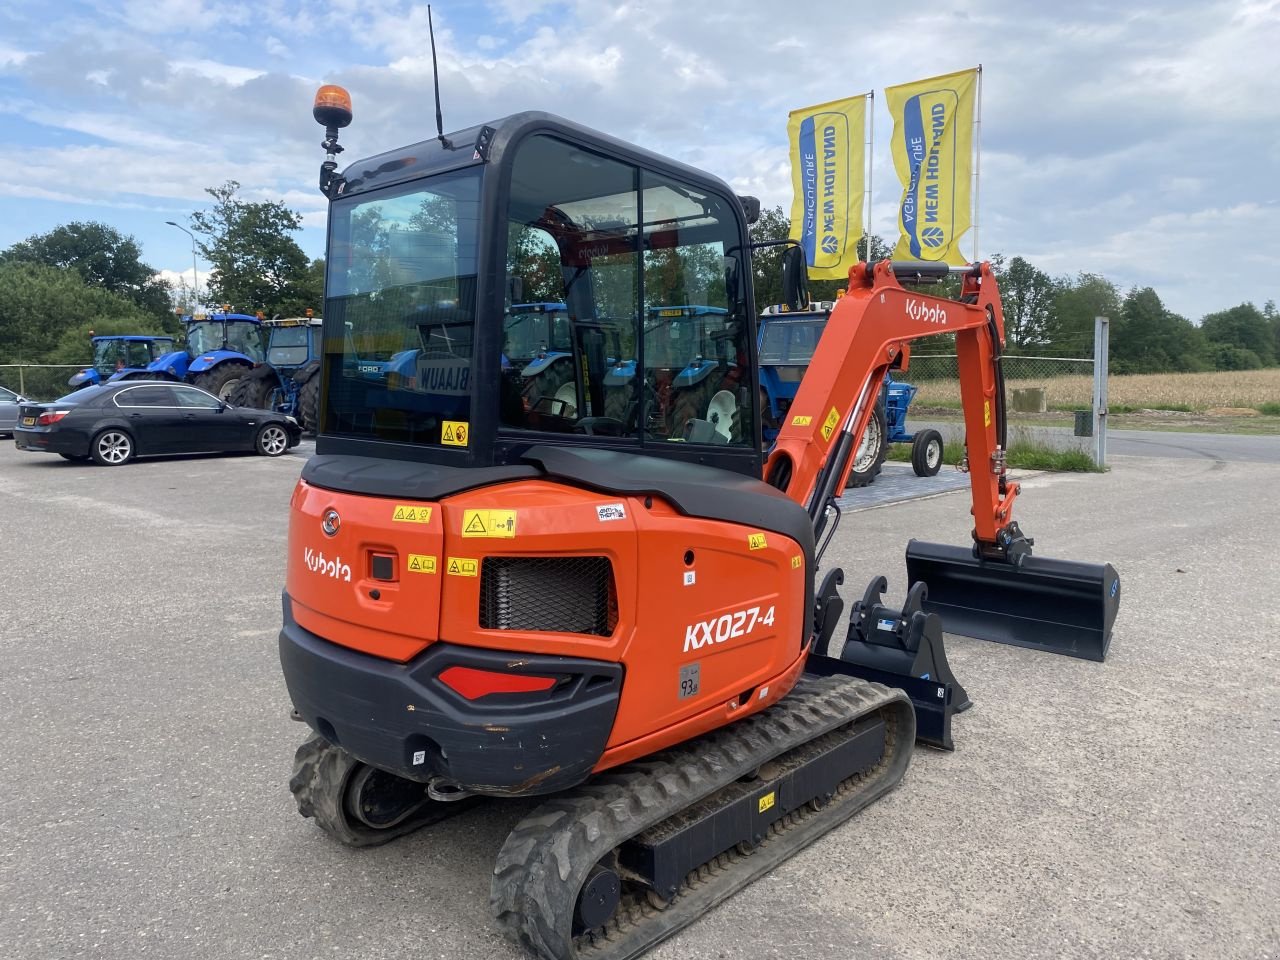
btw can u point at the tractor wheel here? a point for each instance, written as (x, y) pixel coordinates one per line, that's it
(252, 390)
(871, 452)
(222, 379)
(926, 453)
(309, 404)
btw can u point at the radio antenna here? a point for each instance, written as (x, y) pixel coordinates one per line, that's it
(435, 76)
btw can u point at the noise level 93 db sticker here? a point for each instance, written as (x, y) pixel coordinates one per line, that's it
(408, 513)
(489, 523)
(454, 433)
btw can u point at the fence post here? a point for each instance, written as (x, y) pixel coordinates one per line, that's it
(22, 381)
(1101, 336)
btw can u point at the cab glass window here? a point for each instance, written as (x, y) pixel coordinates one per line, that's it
(624, 313)
(402, 290)
(573, 266)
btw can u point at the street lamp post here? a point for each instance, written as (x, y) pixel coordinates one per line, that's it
(195, 276)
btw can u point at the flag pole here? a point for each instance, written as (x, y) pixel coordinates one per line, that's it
(871, 167)
(977, 164)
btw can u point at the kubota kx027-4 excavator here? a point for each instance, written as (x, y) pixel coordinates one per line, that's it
(486, 600)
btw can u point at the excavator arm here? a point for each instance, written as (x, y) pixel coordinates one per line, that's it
(870, 327)
(995, 589)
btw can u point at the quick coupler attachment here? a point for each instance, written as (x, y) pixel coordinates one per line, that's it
(1059, 606)
(903, 648)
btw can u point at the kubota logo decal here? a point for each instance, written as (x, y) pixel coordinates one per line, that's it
(319, 563)
(925, 313)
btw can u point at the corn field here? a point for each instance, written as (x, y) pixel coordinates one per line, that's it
(1193, 391)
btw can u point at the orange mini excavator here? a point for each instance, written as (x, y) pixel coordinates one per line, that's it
(493, 596)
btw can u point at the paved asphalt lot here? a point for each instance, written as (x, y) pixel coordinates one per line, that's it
(1112, 810)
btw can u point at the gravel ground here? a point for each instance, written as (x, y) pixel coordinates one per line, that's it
(1111, 810)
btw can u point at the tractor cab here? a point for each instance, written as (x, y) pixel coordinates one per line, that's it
(231, 332)
(121, 357)
(537, 282)
(292, 341)
(788, 339)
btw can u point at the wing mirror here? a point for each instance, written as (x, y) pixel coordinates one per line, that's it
(795, 278)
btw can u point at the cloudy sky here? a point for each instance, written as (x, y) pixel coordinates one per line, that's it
(1130, 139)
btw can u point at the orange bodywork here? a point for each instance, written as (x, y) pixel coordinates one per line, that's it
(729, 597)
(869, 328)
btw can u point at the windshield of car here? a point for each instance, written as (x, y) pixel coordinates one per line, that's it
(402, 280)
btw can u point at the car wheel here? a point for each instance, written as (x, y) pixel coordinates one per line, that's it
(926, 453)
(111, 448)
(870, 455)
(74, 457)
(272, 440)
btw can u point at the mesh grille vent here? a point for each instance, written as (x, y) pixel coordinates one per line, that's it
(550, 594)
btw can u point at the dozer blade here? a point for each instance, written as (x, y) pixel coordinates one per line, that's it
(1059, 606)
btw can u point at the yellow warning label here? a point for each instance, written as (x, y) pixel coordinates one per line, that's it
(756, 541)
(420, 563)
(489, 523)
(462, 567)
(829, 425)
(799, 421)
(406, 513)
(986, 413)
(796, 562)
(767, 801)
(454, 433)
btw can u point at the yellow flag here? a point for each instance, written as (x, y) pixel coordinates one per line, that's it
(933, 155)
(828, 156)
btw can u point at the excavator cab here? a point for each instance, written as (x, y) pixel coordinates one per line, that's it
(600, 239)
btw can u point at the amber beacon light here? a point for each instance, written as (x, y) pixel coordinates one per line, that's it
(332, 110)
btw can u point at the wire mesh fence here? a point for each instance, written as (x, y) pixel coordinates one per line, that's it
(1033, 384)
(39, 381)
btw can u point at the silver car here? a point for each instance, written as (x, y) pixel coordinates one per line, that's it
(9, 410)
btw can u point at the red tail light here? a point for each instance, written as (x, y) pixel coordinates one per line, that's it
(474, 684)
(50, 418)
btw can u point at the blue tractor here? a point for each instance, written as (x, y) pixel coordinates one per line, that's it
(288, 379)
(691, 376)
(121, 357)
(538, 342)
(221, 348)
(787, 341)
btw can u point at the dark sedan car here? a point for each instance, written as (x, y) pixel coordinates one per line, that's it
(115, 422)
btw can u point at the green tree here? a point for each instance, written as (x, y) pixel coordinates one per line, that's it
(1147, 338)
(1069, 329)
(1245, 327)
(40, 305)
(257, 265)
(1027, 296)
(103, 257)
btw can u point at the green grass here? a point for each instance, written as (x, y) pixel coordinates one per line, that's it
(1125, 408)
(1022, 455)
(1270, 409)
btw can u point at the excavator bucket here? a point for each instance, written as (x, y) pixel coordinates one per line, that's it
(1059, 606)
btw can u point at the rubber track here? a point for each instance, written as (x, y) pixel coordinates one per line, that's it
(545, 860)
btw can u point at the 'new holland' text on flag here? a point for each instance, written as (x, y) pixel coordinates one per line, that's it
(933, 155)
(828, 157)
